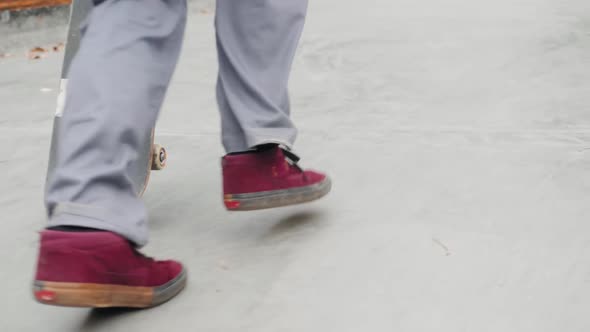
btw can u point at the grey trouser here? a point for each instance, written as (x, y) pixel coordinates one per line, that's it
(117, 83)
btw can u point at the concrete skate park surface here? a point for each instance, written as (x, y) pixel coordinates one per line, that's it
(458, 137)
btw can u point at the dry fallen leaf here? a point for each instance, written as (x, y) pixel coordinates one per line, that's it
(38, 50)
(58, 47)
(34, 56)
(36, 53)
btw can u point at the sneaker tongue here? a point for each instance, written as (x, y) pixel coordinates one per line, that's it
(142, 255)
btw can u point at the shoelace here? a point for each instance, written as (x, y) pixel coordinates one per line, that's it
(292, 159)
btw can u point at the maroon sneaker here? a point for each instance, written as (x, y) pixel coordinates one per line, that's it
(101, 269)
(267, 179)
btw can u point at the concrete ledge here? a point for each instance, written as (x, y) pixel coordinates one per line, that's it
(26, 25)
(27, 28)
(28, 4)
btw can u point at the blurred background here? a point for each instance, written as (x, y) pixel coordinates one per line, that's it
(457, 133)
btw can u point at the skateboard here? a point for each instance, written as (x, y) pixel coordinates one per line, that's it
(151, 157)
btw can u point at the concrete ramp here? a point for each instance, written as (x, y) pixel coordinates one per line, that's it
(457, 134)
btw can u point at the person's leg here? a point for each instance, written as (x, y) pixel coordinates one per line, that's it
(116, 86)
(256, 43)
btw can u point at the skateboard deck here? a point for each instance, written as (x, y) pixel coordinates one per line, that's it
(151, 157)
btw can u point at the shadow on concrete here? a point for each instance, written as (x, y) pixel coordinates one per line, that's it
(98, 318)
(296, 224)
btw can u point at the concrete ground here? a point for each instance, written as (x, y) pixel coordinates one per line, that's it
(458, 136)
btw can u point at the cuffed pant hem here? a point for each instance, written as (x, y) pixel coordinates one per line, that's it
(73, 214)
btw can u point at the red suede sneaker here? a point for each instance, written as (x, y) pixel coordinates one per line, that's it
(101, 269)
(267, 179)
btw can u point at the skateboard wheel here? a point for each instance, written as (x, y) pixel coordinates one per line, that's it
(158, 157)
